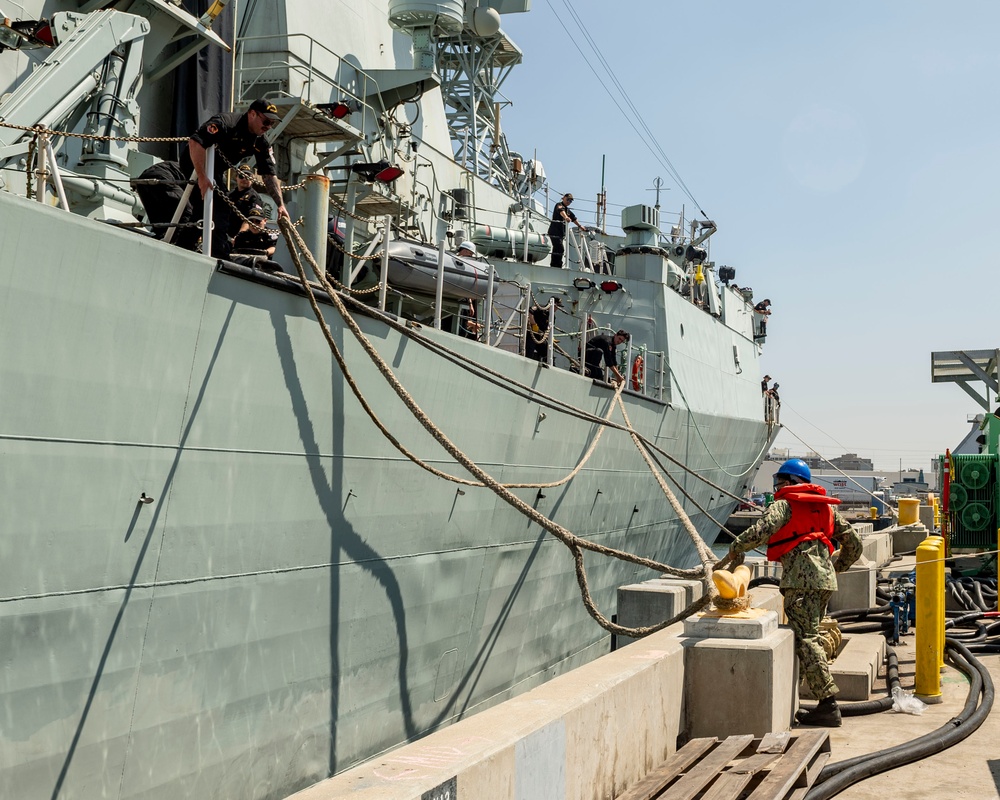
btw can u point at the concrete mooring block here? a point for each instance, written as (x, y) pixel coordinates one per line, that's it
(737, 684)
(855, 587)
(906, 538)
(855, 669)
(877, 547)
(651, 602)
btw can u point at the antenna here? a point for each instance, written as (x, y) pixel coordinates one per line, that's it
(657, 186)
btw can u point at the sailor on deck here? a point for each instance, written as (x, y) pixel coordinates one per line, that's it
(536, 344)
(561, 217)
(802, 531)
(604, 348)
(236, 136)
(244, 197)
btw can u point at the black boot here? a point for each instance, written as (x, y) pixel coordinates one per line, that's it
(825, 715)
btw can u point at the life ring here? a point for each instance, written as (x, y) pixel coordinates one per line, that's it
(638, 373)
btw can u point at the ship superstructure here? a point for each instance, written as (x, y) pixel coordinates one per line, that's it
(217, 576)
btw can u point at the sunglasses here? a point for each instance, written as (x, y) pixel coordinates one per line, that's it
(266, 122)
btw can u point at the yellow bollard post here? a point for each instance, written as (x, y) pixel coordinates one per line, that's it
(939, 542)
(930, 605)
(873, 511)
(909, 510)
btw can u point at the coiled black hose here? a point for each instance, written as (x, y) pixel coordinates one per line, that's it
(876, 626)
(860, 613)
(836, 777)
(882, 704)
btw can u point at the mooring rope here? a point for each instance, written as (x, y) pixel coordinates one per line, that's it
(576, 544)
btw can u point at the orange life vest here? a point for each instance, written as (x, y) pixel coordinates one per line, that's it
(812, 518)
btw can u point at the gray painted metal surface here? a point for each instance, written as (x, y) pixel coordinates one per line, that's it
(298, 597)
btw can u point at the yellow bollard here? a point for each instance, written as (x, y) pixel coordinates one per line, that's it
(909, 510)
(930, 608)
(873, 511)
(939, 541)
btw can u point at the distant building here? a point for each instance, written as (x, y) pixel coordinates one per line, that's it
(848, 461)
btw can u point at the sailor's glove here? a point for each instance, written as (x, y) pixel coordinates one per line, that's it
(736, 556)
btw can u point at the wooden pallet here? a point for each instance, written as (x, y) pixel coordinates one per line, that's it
(739, 768)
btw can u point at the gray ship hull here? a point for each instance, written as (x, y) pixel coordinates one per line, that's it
(298, 597)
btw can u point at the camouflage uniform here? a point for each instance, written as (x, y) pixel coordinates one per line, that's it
(808, 578)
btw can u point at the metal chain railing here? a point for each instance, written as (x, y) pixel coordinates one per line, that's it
(41, 129)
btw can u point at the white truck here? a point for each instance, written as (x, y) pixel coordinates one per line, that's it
(853, 489)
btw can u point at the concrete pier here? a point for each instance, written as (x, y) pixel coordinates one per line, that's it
(590, 733)
(740, 674)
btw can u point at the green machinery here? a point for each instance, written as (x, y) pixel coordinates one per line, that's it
(974, 490)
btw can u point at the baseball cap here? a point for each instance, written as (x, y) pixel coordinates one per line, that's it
(265, 107)
(257, 212)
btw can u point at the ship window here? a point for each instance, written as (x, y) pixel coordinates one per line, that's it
(682, 329)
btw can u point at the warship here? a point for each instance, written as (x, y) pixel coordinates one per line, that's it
(218, 578)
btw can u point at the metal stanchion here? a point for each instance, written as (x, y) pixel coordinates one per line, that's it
(488, 321)
(552, 331)
(526, 299)
(206, 220)
(179, 211)
(439, 291)
(317, 211)
(930, 607)
(384, 283)
(56, 175)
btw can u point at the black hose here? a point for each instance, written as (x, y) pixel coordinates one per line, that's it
(974, 590)
(985, 647)
(764, 580)
(836, 777)
(860, 613)
(962, 618)
(867, 627)
(883, 703)
(966, 637)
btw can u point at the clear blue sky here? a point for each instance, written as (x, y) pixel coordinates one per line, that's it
(849, 154)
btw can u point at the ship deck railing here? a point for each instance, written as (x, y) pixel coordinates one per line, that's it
(271, 65)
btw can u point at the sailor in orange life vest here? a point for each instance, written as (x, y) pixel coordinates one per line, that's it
(804, 532)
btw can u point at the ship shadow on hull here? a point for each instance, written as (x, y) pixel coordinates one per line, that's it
(330, 487)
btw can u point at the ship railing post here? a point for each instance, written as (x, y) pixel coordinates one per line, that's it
(41, 167)
(383, 285)
(488, 321)
(439, 290)
(527, 217)
(552, 332)
(576, 246)
(628, 365)
(317, 196)
(583, 342)
(588, 259)
(54, 168)
(643, 354)
(526, 302)
(663, 357)
(350, 206)
(179, 211)
(206, 220)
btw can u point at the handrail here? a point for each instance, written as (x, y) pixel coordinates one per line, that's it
(305, 66)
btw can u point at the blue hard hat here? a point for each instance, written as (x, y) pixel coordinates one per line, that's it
(795, 467)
